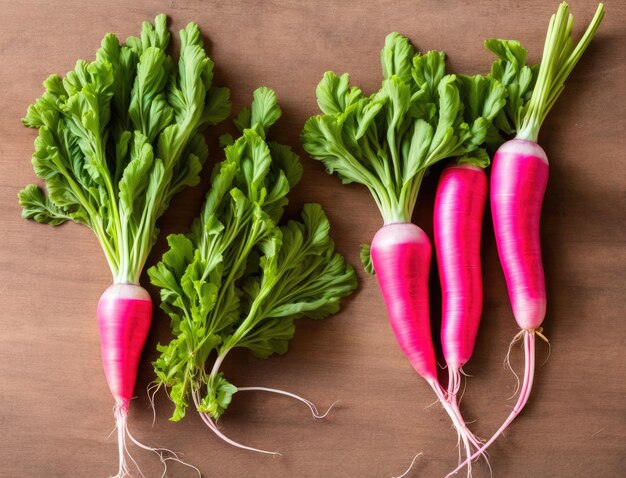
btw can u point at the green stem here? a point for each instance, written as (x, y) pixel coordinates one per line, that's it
(94, 218)
(556, 64)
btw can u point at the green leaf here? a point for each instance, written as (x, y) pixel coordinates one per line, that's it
(427, 72)
(397, 57)
(478, 157)
(219, 395)
(286, 161)
(366, 259)
(264, 110)
(517, 78)
(271, 337)
(149, 112)
(37, 206)
(133, 182)
(334, 94)
(155, 35)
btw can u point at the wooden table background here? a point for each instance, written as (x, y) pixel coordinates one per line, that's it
(55, 408)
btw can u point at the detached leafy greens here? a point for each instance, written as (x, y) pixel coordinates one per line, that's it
(119, 136)
(238, 279)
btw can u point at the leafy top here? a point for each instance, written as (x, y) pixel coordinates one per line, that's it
(419, 116)
(238, 279)
(119, 136)
(560, 55)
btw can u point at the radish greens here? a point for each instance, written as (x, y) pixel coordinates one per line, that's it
(238, 280)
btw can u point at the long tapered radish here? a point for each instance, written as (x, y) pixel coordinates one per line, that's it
(519, 177)
(518, 182)
(401, 256)
(118, 138)
(458, 215)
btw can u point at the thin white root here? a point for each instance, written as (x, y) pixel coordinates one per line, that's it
(308, 403)
(527, 384)
(120, 410)
(213, 426)
(467, 438)
(507, 362)
(151, 391)
(539, 333)
(410, 466)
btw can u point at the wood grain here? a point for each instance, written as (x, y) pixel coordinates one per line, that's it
(54, 403)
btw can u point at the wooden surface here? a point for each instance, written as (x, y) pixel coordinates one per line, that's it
(55, 408)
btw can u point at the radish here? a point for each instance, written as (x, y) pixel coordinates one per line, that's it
(458, 217)
(401, 255)
(118, 137)
(458, 214)
(386, 142)
(518, 182)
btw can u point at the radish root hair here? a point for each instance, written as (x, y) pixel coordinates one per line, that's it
(206, 418)
(539, 332)
(507, 362)
(151, 391)
(527, 384)
(410, 466)
(467, 437)
(308, 403)
(120, 410)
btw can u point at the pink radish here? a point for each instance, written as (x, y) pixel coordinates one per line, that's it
(124, 317)
(401, 254)
(518, 183)
(386, 142)
(458, 217)
(118, 138)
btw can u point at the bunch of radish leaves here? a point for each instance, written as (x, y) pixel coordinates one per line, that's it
(239, 279)
(119, 136)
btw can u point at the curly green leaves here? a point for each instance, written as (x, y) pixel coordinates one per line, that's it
(386, 141)
(511, 71)
(119, 136)
(238, 280)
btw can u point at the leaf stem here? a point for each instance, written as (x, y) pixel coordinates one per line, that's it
(557, 62)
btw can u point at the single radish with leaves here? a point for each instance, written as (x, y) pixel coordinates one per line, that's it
(387, 142)
(118, 137)
(458, 218)
(518, 181)
(239, 279)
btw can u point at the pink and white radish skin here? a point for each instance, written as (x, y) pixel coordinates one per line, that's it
(458, 218)
(124, 318)
(518, 182)
(401, 254)
(519, 177)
